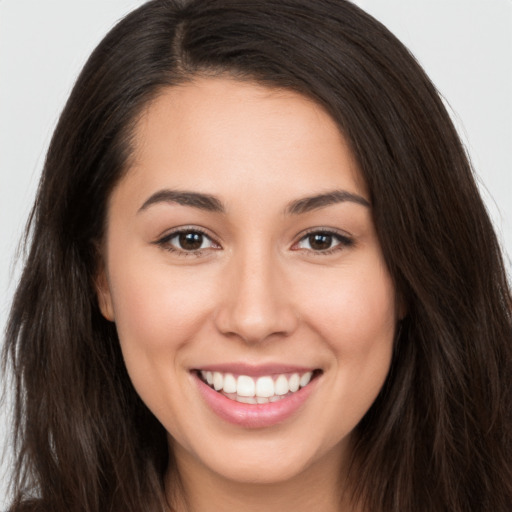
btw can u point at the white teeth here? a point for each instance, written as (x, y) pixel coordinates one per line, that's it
(229, 383)
(218, 381)
(304, 380)
(262, 390)
(265, 387)
(245, 386)
(294, 382)
(281, 386)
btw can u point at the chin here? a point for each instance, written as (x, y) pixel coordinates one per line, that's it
(264, 461)
(261, 472)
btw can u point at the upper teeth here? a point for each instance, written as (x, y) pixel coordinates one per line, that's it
(263, 387)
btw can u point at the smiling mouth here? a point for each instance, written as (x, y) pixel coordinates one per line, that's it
(257, 390)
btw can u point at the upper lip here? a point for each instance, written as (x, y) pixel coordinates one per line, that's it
(253, 370)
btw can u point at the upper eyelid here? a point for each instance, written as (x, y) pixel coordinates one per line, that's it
(323, 230)
(168, 235)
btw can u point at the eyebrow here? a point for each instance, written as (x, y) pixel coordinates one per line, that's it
(308, 204)
(195, 199)
(210, 203)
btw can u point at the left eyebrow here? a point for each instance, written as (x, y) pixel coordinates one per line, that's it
(308, 204)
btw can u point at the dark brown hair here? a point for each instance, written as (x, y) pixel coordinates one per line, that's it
(438, 437)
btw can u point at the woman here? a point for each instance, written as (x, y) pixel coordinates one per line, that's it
(260, 277)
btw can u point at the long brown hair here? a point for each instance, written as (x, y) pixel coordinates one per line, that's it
(438, 437)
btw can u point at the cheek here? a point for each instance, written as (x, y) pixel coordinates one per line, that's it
(157, 313)
(157, 310)
(356, 316)
(354, 309)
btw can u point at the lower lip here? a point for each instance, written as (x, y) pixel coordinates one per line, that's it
(255, 415)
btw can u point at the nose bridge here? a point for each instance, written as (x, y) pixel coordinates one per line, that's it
(257, 305)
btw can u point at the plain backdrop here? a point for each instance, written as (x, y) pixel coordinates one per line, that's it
(464, 45)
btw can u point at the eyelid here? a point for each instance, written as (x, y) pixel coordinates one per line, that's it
(163, 241)
(345, 240)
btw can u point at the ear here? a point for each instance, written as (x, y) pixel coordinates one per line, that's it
(103, 292)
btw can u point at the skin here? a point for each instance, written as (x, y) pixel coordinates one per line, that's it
(257, 291)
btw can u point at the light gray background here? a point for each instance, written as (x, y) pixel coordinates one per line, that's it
(464, 45)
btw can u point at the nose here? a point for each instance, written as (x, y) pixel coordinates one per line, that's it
(257, 301)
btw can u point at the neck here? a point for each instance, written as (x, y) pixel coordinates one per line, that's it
(319, 487)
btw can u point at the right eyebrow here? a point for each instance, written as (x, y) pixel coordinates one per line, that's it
(195, 199)
(308, 204)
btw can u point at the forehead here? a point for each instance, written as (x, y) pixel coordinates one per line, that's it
(202, 132)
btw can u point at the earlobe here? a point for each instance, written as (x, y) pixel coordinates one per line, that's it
(103, 294)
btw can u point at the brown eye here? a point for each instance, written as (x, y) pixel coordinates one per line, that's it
(320, 241)
(187, 241)
(191, 241)
(324, 242)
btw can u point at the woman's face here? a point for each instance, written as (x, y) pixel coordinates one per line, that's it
(240, 251)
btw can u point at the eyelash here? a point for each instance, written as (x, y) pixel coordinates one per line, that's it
(165, 241)
(343, 240)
